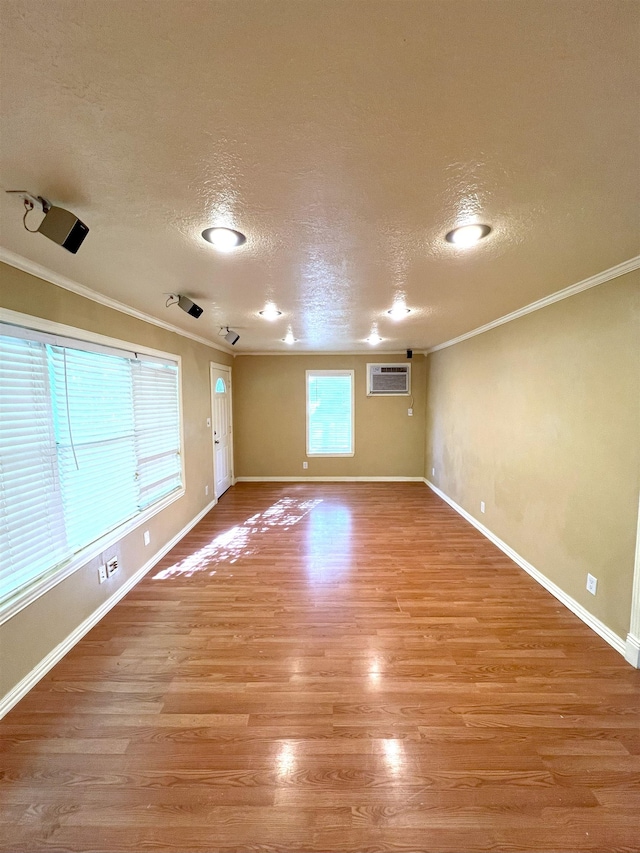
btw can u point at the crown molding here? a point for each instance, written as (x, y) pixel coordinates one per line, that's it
(39, 271)
(593, 281)
(326, 353)
(31, 267)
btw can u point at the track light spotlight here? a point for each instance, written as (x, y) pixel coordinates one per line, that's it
(59, 225)
(231, 337)
(185, 303)
(190, 307)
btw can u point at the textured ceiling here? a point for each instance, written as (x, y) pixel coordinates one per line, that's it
(343, 138)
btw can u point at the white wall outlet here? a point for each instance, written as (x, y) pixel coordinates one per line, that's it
(209, 422)
(206, 490)
(592, 584)
(111, 566)
(433, 472)
(481, 506)
(102, 574)
(147, 537)
(410, 412)
(305, 465)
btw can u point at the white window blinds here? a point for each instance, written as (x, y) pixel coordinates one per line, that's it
(88, 439)
(330, 412)
(32, 532)
(92, 404)
(156, 417)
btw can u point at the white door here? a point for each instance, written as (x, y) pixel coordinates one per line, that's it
(221, 425)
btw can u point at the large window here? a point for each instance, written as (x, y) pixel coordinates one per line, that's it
(89, 439)
(330, 413)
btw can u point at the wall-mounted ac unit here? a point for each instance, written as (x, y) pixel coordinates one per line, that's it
(388, 380)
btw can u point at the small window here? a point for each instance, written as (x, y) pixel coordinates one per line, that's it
(330, 413)
(220, 386)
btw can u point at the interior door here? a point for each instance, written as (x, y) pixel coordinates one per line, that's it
(222, 439)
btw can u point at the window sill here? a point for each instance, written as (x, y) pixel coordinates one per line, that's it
(328, 455)
(21, 598)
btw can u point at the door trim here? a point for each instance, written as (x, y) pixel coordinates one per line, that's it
(633, 637)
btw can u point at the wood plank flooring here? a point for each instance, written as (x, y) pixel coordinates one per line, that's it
(329, 667)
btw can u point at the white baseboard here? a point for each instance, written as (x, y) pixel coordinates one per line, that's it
(588, 618)
(329, 479)
(632, 651)
(40, 670)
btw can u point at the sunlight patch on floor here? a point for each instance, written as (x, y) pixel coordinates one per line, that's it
(240, 540)
(328, 555)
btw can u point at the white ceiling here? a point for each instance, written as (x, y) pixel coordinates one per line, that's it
(343, 138)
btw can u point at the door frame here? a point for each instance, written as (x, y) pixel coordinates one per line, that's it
(226, 368)
(632, 654)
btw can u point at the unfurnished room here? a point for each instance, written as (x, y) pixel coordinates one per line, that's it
(319, 426)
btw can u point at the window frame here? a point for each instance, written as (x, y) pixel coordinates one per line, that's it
(33, 590)
(312, 373)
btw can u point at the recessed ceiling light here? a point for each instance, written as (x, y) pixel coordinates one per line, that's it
(270, 312)
(467, 235)
(224, 239)
(374, 338)
(398, 311)
(289, 339)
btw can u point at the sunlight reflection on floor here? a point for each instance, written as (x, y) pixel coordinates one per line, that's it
(286, 760)
(241, 540)
(394, 756)
(328, 555)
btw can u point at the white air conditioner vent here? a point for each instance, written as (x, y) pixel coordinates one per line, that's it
(388, 379)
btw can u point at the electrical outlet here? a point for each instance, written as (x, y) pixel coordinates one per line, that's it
(592, 584)
(102, 574)
(410, 412)
(147, 537)
(206, 490)
(111, 566)
(305, 465)
(481, 506)
(209, 422)
(433, 472)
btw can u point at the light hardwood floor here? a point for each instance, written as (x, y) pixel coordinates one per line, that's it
(329, 667)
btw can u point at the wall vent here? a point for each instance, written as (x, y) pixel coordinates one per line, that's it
(388, 380)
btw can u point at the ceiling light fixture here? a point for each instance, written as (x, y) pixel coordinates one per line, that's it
(467, 235)
(270, 312)
(373, 339)
(224, 239)
(398, 311)
(289, 339)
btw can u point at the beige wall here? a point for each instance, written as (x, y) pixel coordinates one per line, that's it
(540, 418)
(270, 420)
(28, 637)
